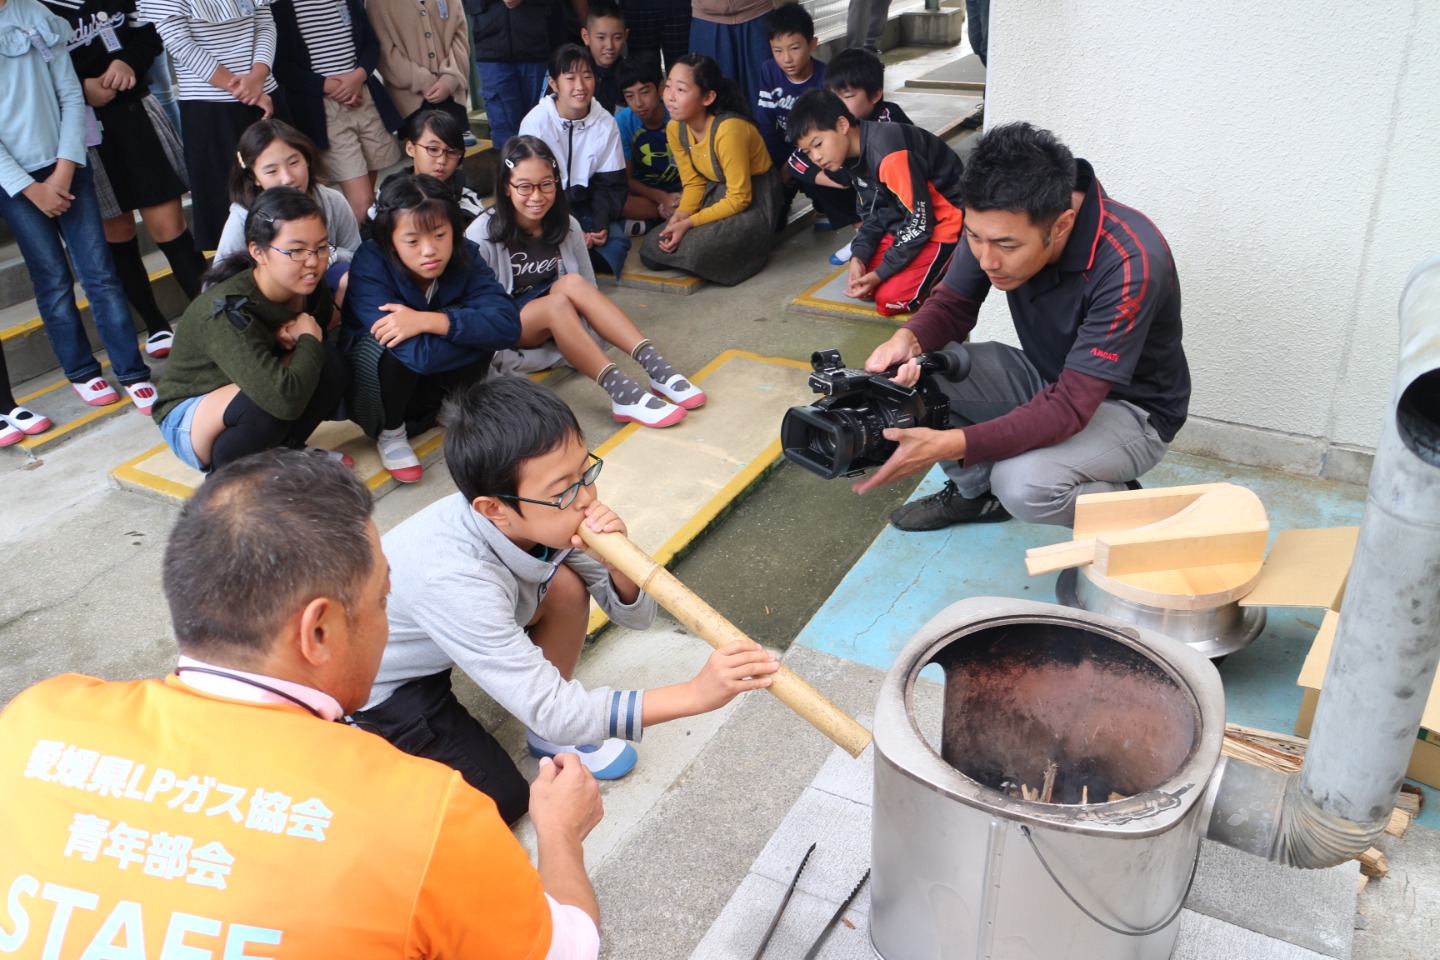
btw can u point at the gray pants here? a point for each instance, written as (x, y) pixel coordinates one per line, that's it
(865, 24)
(1040, 486)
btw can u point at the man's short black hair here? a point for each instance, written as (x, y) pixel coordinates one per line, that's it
(855, 69)
(494, 426)
(1022, 169)
(789, 18)
(599, 9)
(262, 537)
(816, 110)
(643, 67)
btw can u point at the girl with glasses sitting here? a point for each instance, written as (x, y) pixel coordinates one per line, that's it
(435, 141)
(253, 366)
(537, 250)
(424, 317)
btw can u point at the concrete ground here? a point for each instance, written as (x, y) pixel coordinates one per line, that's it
(80, 568)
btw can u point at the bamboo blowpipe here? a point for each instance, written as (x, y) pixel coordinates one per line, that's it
(717, 631)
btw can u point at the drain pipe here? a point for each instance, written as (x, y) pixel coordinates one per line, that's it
(1387, 645)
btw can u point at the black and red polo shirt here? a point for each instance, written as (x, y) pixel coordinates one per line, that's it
(1109, 308)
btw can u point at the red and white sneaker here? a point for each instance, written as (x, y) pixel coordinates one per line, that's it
(27, 421)
(397, 456)
(143, 395)
(648, 411)
(679, 391)
(158, 345)
(9, 433)
(97, 392)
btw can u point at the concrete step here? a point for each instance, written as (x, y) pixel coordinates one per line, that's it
(22, 333)
(50, 395)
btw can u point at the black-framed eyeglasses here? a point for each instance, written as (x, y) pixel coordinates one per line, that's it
(525, 187)
(568, 495)
(300, 255)
(437, 151)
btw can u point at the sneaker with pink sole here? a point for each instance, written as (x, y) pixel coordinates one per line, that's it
(27, 421)
(143, 395)
(97, 392)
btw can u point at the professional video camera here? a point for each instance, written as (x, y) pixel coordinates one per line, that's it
(841, 435)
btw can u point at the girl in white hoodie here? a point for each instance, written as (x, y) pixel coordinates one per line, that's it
(586, 141)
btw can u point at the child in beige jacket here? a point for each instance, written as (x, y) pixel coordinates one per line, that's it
(424, 53)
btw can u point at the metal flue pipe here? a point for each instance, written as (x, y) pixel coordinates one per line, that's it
(1387, 645)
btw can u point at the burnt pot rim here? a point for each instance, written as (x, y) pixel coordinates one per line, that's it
(900, 745)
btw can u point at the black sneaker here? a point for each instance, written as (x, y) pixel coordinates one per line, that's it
(947, 508)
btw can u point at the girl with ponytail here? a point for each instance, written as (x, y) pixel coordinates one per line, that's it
(732, 197)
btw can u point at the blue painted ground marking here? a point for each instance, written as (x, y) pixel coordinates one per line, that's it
(904, 579)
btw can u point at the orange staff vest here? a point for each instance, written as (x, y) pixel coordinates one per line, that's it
(149, 820)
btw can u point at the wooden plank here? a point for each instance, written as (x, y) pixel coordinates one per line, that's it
(1178, 552)
(1306, 568)
(1097, 513)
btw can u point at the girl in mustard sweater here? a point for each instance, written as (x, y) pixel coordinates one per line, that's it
(732, 197)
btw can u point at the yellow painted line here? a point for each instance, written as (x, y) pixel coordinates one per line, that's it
(36, 323)
(55, 433)
(480, 147)
(724, 497)
(130, 472)
(809, 299)
(669, 281)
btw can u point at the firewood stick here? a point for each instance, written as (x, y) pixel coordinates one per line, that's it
(1047, 791)
(717, 631)
(1399, 823)
(1373, 863)
(1084, 795)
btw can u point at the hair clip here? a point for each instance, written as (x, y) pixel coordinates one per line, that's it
(509, 163)
(240, 160)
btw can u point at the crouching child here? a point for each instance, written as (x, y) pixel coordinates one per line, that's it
(495, 579)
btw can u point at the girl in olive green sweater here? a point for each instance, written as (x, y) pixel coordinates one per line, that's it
(254, 365)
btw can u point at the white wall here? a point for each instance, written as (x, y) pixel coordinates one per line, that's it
(1290, 153)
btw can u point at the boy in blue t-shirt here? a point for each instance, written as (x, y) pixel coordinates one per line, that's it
(791, 72)
(653, 177)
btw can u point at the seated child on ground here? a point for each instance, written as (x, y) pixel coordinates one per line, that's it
(423, 318)
(434, 140)
(910, 232)
(724, 235)
(271, 153)
(253, 366)
(654, 178)
(537, 251)
(585, 139)
(495, 579)
(785, 77)
(857, 77)
(604, 33)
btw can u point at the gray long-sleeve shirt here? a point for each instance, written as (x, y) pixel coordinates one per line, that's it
(461, 594)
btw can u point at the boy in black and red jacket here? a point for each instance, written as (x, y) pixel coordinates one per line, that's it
(857, 77)
(912, 225)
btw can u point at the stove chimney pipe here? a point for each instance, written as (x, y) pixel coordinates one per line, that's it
(1387, 645)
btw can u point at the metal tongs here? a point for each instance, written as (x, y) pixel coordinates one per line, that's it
(814, 950)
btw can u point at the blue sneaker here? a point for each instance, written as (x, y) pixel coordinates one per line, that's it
(607, 760)
(841, 257)
(469, 139)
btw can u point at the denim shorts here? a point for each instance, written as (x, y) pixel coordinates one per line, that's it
(175, 428)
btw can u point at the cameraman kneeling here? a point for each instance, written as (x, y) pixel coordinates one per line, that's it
(1100, 385)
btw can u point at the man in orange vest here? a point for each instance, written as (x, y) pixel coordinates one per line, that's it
(222, 813)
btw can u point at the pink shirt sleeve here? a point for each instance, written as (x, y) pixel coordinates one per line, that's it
(575, 936)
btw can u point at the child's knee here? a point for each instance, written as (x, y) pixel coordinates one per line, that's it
(568, 286)
(565, 591)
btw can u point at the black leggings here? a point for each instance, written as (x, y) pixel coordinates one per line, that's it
(424, 719)
(413, 398)
(249, 429)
